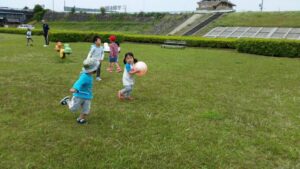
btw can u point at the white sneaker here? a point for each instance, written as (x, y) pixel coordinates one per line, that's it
(65, 100)
(45, 45)
(98, 79)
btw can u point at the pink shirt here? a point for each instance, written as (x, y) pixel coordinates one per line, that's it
(114, 49)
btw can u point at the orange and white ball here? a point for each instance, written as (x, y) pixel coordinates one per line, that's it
(141, 67)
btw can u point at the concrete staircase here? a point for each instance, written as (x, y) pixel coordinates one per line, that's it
(189, 21)
(203, 24)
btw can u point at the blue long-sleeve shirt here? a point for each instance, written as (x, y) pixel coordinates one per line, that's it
(96, 52)
(84, 86)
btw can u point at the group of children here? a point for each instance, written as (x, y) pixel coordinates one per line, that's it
(82, 88)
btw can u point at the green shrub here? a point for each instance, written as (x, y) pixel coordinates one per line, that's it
(68, 36)
(267, 47)
(20, 31)
(191, 41)
(270, 47)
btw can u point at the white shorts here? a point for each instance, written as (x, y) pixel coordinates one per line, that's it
(75, 103)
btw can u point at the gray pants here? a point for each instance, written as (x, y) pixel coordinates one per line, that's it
(75, 103)
(127, 91)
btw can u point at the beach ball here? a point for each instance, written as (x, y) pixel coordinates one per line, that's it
(141, 67)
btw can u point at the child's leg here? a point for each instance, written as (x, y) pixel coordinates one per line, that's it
(86, 107)
(45, 36)
(118, 67)
(47, 39)
(99, 70)
(129, 92)
(82, 117)
(110, 67)
(27, 41)
(126, 91)
(31, 43)
(74, 104)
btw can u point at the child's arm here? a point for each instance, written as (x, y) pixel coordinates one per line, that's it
(77, 85)
(110, 49)
(130, 70)
(91, 52)
(133, 71)
(72, 90)
(102, 55)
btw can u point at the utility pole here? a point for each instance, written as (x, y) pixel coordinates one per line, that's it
(125, 8)
(261, 6)
(53, 9)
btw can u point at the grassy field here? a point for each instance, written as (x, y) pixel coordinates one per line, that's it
(256, 19)
(118, 26)
(160, 26)
(196, 108)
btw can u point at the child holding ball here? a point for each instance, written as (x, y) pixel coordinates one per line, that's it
(128, 80)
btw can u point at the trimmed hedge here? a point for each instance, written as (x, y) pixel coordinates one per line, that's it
(267, 47)
(270, 47)
(66, 36)
(20, 31)
(77, 36)
(191, 41)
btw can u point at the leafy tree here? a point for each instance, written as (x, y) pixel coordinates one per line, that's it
(102, 10)
(73, 10)
(37, 8)
(38, 12)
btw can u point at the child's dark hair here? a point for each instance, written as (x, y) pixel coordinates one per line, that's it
(129, 54)
(96, 38)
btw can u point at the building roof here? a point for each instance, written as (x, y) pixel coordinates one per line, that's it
(214, 3)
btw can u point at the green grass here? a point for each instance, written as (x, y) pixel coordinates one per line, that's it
(151, 25)
(117, 26)
(256, 19)
(196, 108)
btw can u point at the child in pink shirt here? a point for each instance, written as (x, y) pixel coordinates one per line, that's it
(114, 54)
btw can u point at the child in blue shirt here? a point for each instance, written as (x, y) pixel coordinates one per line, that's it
(82, 90)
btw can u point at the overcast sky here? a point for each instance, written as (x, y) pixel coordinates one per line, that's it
(154, 5)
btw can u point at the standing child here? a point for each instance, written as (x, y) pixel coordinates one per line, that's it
(97, 53)
(114, 53)
(82, 90)
(128, 80)
(29, 38)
